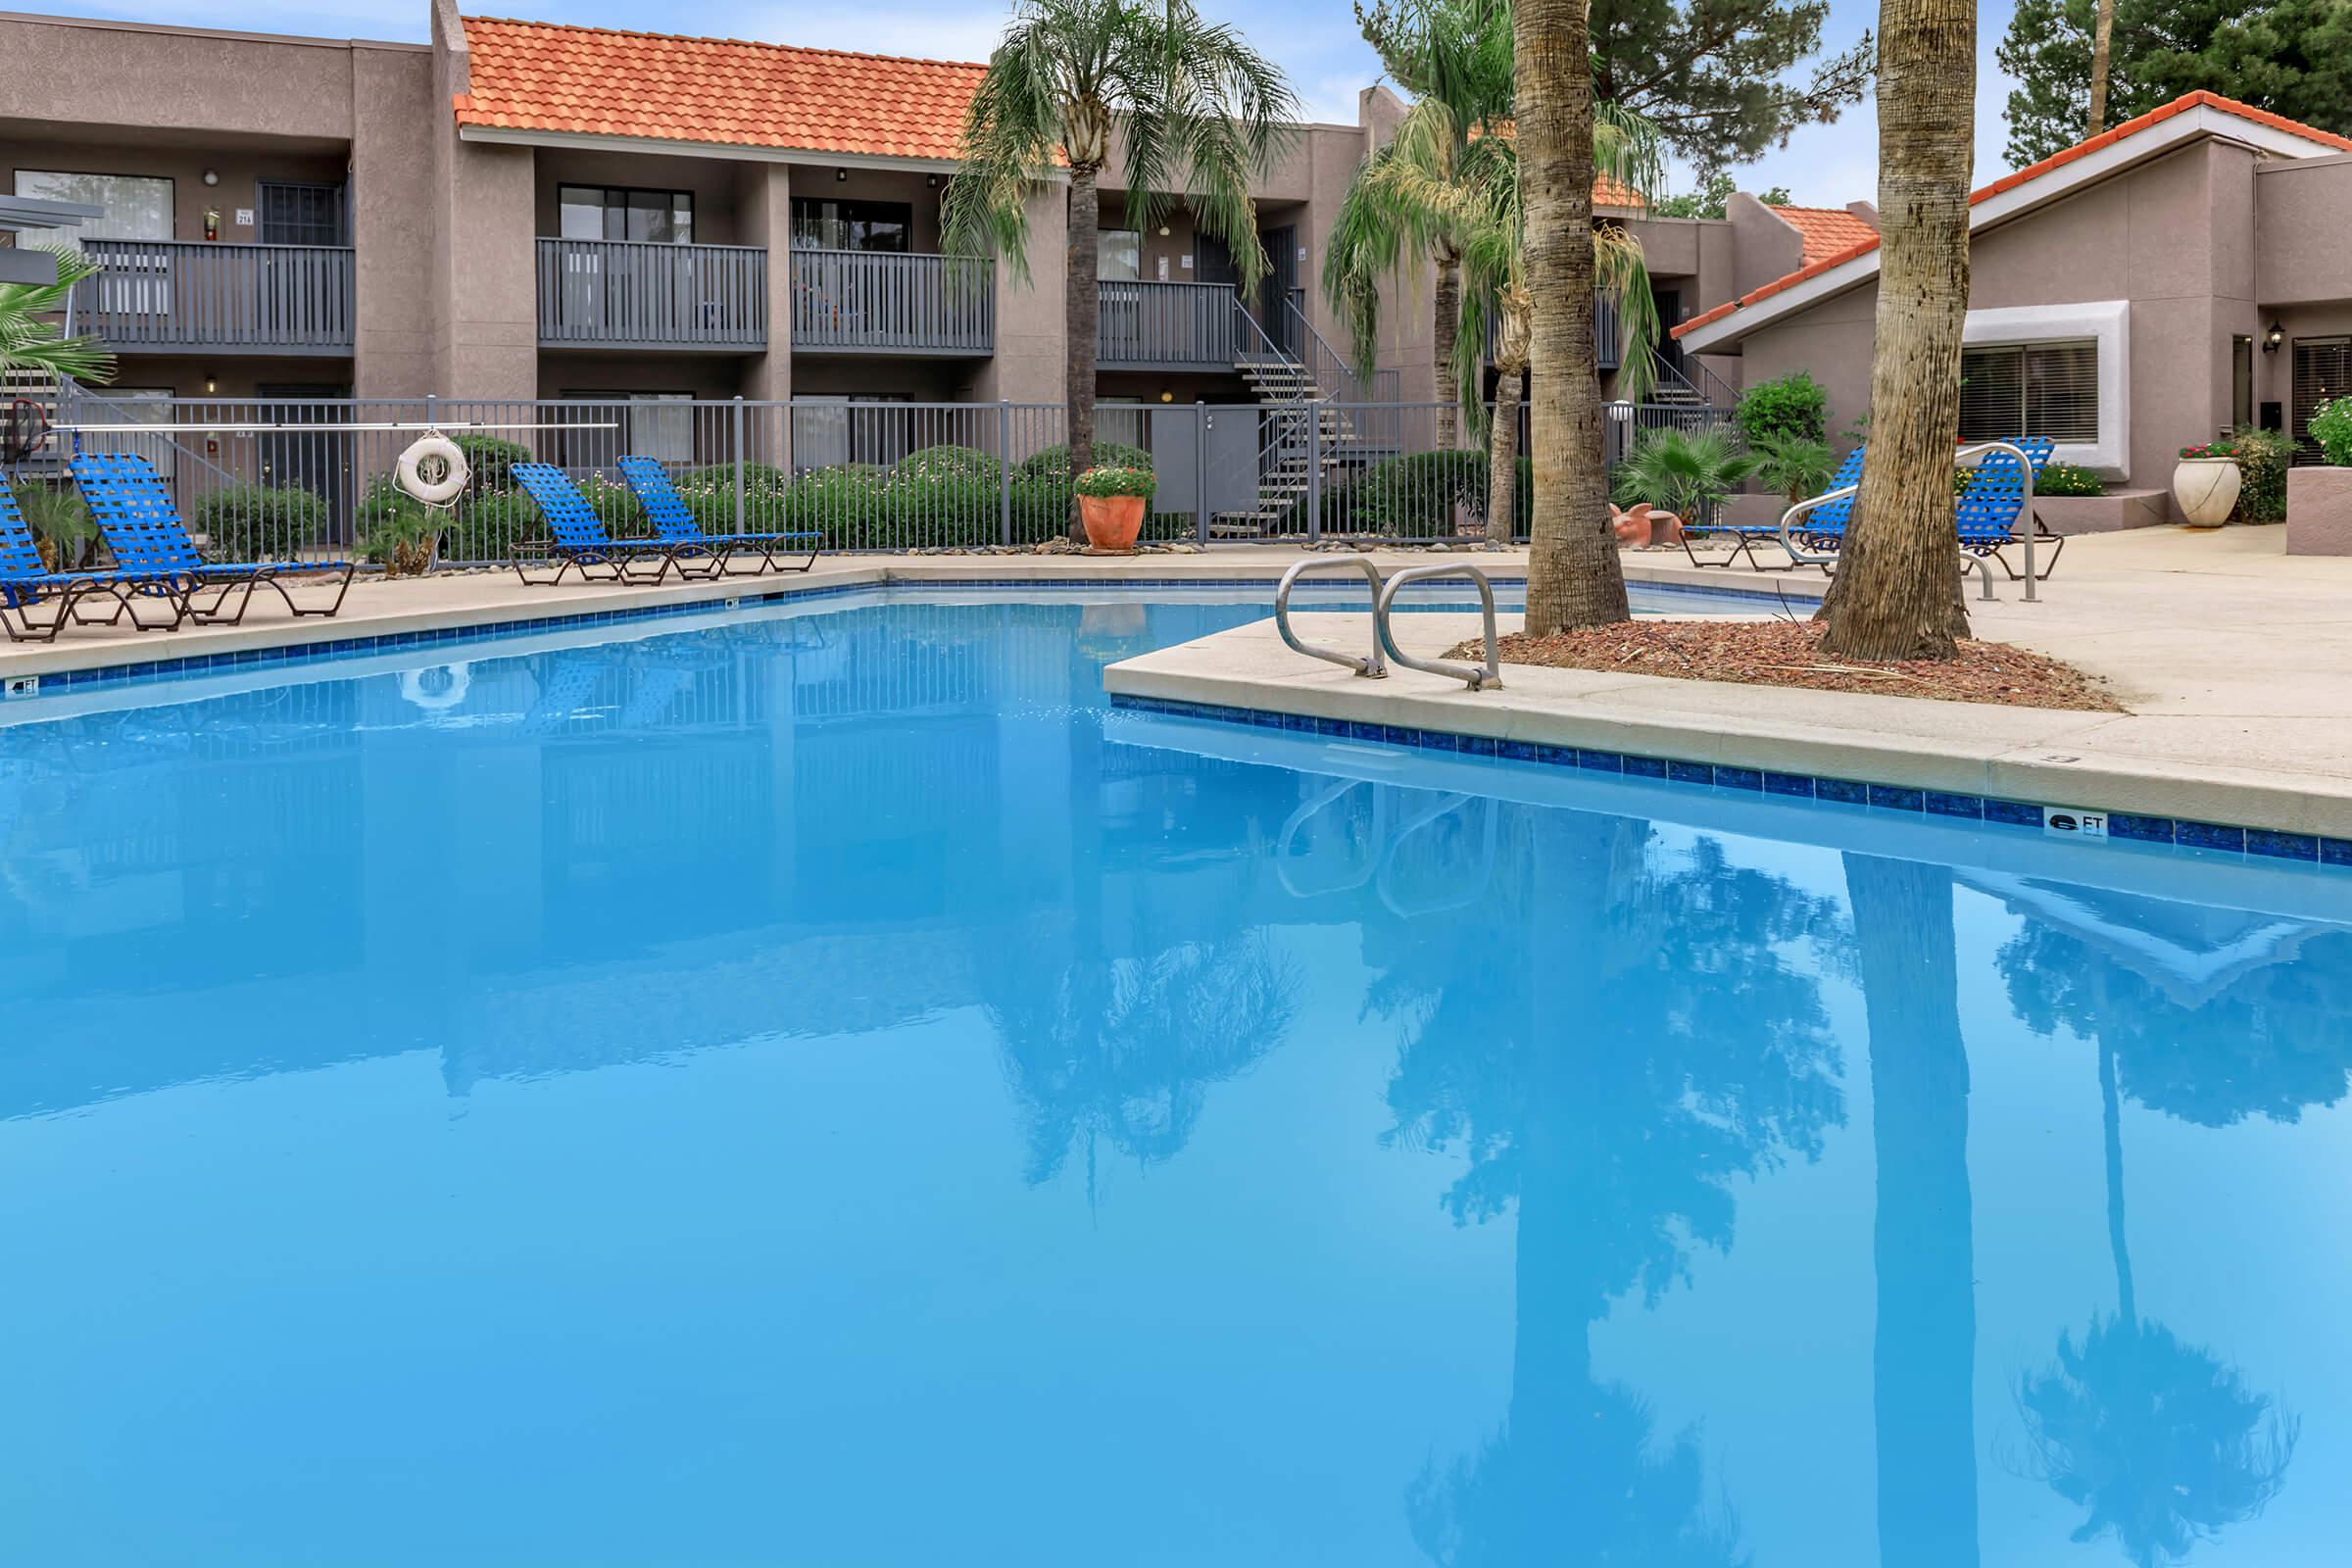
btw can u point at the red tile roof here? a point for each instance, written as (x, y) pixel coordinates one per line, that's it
(1814, 267)
(1825, 230)
(532, 76)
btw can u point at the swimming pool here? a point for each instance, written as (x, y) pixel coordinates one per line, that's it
(816, 1086)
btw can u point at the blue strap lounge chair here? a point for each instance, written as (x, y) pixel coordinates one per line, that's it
(673, 519)
(578, 540)
(1830, 519)
(27, 583)
(134, 510)
(1991, 511)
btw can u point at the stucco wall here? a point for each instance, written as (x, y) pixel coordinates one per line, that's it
(85, 76)
(392, 221)
(241, 169)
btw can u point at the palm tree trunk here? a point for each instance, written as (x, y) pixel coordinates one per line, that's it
(1502, 455)
(1923, 1245)
(2102, 34)
(1449, 325)
(1080, 323)
(1573, 575)
(2112, 1109)
(1896, 594)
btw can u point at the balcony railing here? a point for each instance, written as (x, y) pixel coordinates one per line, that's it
(635, 294)
(1172, 324)
(234, 299)
(875, 301)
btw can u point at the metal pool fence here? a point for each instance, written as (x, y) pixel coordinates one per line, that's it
(865, 475)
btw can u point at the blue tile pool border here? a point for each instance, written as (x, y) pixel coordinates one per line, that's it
(328, 649)
(1900, 799)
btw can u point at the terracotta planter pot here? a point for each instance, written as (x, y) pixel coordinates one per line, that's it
(2207, 490)
(1112, 522)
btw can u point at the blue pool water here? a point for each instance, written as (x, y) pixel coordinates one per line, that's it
(819, 1088)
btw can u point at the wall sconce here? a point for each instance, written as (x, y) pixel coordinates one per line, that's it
(840, 175)
(1166, 396)
(2273, 338)
(931, 181)
(211, 386)
(1163, 232)
(211, 177)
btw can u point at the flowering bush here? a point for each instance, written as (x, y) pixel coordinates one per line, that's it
(2224, 450)
(2332, 428)
(1101, 482)
(2068, 479)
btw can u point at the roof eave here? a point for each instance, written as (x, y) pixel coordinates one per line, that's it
(675, 147)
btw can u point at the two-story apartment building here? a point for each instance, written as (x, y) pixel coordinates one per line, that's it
(525, 210)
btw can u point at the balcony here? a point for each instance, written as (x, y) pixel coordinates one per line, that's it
(878, 302)
(1158, 326)
(635, 294)
(155, 296)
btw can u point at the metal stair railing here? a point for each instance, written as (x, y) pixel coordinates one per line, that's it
(1372, 668)
(1481, 677)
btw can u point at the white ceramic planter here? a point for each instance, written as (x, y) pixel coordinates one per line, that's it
(2207, 490)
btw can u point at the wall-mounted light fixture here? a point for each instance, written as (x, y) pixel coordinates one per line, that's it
(1166, 396)
(1163, 232)
(211, 177)
(931, 181)
(2273, 338)
(211, 385)
(840, 175)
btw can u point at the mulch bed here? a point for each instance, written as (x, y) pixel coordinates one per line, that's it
(1779, 653)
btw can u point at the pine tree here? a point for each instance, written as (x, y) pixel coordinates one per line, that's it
(1712, 74)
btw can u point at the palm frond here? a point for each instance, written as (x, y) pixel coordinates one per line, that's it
(29, 340)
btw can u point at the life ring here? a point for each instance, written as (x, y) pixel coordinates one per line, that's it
(413, 691)
(452, 482)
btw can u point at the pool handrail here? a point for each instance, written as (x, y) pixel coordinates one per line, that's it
(1486, 677)
(1372, 668)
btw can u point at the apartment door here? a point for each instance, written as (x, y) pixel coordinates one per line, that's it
(1274, 291)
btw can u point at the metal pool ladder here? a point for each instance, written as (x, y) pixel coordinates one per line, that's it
(1372, 668)
(1481, 677)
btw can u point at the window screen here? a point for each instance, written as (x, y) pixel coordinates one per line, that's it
(136, 205)
(2040, 389)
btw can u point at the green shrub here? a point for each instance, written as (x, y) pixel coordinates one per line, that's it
(60, 522)
(2068, 479)
(2263, 457)
(259, 522)
(1054, 462)
(1795, 466)
(390, 526)
(1785, 406)
(1417, 494)
(492, 460)
(950, 463)
(616, 505)
(489, 527)
(1688, 472)
(2332, 428)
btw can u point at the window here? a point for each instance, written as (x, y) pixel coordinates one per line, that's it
(1121, 256)
(2041, 389)
(2322, 369)
(136, 205)
(2241, 380)
(825, 223)
(599, 212)
(662, 426)
(301, 214)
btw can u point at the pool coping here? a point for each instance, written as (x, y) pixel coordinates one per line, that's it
(2001, 766)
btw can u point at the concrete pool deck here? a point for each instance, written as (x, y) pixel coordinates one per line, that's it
(2235, 660)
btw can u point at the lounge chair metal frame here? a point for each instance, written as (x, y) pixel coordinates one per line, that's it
(1745, 536)
(579, 541)
(674, 521)
(26, 581)
(141, 523)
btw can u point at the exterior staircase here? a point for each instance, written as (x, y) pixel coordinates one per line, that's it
(1302, 430)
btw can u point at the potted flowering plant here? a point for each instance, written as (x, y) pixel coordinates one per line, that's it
(2206, 482)
(1111, 502)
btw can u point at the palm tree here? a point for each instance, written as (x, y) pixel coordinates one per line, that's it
(1896, 594)
(1193, 102)
(1687, 473)
(1453, 187)
(31, 341)
(1573, 575)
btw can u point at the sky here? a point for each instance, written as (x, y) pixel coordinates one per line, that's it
(1315, 41)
